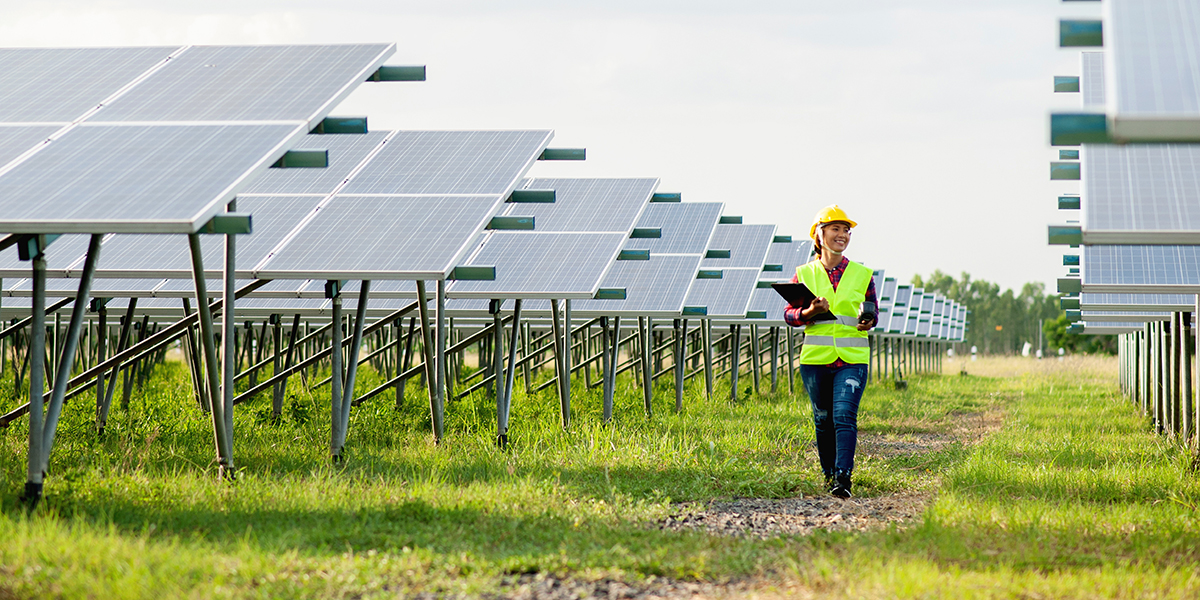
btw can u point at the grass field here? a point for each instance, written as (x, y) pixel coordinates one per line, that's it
(1050, 486)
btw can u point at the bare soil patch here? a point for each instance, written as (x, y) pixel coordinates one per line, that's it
(768, 517)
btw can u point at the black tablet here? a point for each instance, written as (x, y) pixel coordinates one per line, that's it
(799, 296)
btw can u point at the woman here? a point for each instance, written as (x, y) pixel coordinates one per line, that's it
(836, 353)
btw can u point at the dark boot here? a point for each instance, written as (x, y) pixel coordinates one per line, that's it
(841, 486)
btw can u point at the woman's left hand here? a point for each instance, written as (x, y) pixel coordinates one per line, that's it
(866, 326)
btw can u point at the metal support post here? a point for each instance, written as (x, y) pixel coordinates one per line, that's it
(791, 354)
(707, 341)
(755, 357)
(568, 344)
(774, 359)
(360, 317)
(440, 357)
(605, 366)
(216, 408)
(647, 325)
(680, 350)
(37, 356)
(563, 399)
(229, 335)
(510, 377)
(435, 403)
(63, 373)
(735, 356)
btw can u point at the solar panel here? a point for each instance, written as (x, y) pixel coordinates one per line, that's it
(587, 204)
(747, 246)
(137, 179)
(1130, 191)
(346, 152)
(15, 140)
(770, 303)
(541, 265)
(1154, 57)
(62, 253)
(726, 297)
(787, 256)
(132, 166)
(1170, 302)
(101, 288)
(1141, 269)
(900, 307)
(129, 255)
(450, 162)
(248, 83)
(914, 312)
(63, 84)
(185, 288)
(382, 237)
(1091, 81)
(885, 292)
(685, 227)
(1124, 316)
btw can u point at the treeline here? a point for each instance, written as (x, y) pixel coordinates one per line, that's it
(1001, 322)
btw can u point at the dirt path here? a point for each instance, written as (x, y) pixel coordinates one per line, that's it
(769, 517)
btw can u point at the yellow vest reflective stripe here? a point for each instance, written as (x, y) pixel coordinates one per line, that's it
(827, 341)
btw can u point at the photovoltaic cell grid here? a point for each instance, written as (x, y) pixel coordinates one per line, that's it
(61, 255)
(914, 312)
(576, 239)
(1142, 269)
(15, 140)
(789, 255)
(346, 152)
(686, 227)
(1153, 53)
(747, 245)
(658, 287)
(382, 237)
(655, 287)
(1132, 190)
(1091, 80)
(129, 255)
(248, 83)
(63, 84)
(728, 297)
(587, 204)
(381, 225)
(1172, 302)
(899, 313)
(541, 265)
(135, 178)
(1124, 316)
(450, 162)
(885, 292)
(131, 166)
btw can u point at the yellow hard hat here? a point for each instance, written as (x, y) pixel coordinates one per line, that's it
(829, 214)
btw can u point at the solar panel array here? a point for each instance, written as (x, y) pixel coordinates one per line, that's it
(1139, 224)
(140, 143)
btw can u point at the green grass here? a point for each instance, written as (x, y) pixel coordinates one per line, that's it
(1072, 497)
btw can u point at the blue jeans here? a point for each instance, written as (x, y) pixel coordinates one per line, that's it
(835, 393)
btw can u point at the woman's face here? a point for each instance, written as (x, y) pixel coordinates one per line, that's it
(836, 236)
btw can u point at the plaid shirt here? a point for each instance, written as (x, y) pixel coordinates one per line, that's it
(791, 314)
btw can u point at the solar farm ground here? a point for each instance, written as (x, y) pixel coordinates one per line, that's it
(1022, 479)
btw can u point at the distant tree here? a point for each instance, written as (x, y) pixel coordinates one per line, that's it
(1019, 316)
(1057, 336)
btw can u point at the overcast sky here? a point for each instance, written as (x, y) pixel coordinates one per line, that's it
(926, 120)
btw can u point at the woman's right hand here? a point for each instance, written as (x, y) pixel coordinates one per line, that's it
(818, 306)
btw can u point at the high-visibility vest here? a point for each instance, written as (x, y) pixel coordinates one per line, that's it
(827, 341)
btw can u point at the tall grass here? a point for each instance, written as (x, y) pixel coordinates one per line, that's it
(1070, 496)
